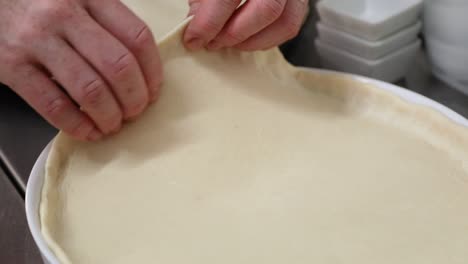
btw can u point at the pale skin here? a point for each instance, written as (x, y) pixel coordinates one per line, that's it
(106, 59)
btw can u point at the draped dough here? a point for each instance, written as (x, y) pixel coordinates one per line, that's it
(247, 159)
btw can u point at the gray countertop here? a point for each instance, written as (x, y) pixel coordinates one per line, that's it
(23, 135)
(16, 244)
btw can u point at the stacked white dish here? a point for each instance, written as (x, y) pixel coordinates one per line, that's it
(446, 36)
(374, 38)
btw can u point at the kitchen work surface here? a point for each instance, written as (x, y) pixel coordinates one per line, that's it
(23, 134)
(16, 244)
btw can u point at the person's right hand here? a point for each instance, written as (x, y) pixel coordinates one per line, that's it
(101, 53)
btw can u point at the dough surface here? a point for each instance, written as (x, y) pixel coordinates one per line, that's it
(246, 159)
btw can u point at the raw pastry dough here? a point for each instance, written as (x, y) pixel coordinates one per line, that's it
(246, 159)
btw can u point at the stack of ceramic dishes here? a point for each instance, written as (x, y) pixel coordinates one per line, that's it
(446, 36)
(374, 38)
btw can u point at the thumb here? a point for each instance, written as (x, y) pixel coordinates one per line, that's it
(194, 6)
(210, 18)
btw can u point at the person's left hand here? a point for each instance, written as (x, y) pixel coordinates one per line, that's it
(257, 25)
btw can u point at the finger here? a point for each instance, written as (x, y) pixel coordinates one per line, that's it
(254, 16)
(209, 19)
(135, 35)
(113, 61)
(283, 29)
(46, 98)
(194, 6)
(81, 82)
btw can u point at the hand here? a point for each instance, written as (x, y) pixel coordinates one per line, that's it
(258, 24)
(103, 56)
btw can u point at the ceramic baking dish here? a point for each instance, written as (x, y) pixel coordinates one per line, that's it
(390, 68)
(369, 19)
(368, 49)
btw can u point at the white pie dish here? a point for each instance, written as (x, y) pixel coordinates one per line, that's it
(33, 192)
(369, 19)
(389, 68)
(368, 49)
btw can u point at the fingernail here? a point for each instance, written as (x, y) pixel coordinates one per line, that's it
(117, 128)
(95, 135)
(154, 97)
(214, 45)
(195, 44)
(132, 119)
(155, 90)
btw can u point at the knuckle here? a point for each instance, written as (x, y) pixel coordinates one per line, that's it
(143, 39)
(270, 10)
(12, 59)
(11, 75)
(55, 107)
(122, 66)
(55, 10)
(93, 93)
(25, 36)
